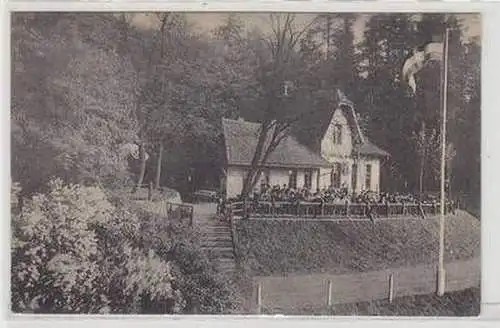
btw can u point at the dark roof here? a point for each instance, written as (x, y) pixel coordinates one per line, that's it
(241, 140)
(369, 149)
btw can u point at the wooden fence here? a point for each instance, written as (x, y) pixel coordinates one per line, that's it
(300, 293)
(320, 210)
(175, 211)
(169, 210)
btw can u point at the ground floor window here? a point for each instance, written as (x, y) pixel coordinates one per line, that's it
(368, 177)
(292, 179)
(335, 175)
(308, 178)
(354, 176)
(264, 179)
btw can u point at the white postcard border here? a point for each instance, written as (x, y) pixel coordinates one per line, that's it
(490, 215)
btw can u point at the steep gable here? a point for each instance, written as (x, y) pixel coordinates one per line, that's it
(315, 129)
(337, 140)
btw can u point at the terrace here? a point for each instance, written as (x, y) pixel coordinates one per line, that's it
(334, 205)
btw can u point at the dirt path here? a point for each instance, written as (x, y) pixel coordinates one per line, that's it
(282, 294)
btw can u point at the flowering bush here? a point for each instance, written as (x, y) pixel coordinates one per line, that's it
(71, 252)
(203, 289)
(76, 250)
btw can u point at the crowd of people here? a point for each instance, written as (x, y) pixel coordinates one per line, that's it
(331, 195)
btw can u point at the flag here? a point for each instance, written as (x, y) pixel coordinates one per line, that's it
(432, 51)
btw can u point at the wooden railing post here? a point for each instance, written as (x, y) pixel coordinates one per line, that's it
(421, 209)
(150, 191)
(329, 294)
(191, 216)
(391, 287)
(259, 297)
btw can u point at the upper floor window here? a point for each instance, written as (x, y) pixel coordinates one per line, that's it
(337, 134)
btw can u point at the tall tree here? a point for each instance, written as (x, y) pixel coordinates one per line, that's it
(388, 39)
(71, 101)
(280, 94)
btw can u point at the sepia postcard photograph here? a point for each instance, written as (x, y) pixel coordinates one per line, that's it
(245, 163)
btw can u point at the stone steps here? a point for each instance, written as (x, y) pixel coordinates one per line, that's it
(220, 252)
(217, 241)
(217, 244)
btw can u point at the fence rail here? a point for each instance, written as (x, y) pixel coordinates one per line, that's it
(175, 211)
(318, 210)
(292, 294)
(170, 210)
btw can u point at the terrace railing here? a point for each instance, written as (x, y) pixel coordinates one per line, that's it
(329, 210)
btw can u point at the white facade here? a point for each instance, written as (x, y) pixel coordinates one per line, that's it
(357, 174)
(336, 148)
(331, 150)
(277, 176)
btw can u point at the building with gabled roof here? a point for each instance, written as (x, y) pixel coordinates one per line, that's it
(338, 155)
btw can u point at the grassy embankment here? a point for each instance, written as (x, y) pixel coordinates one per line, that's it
(299, 247)
(285, 248)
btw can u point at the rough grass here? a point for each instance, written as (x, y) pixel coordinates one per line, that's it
(462, 303)
(282, 247)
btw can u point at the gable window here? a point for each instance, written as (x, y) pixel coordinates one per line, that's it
(337, 134)
(335, 175)
(308, 178)
(368, 176)
(292, 179)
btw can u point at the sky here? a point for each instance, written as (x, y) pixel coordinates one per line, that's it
(205, 22)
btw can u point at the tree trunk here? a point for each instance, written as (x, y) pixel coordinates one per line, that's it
(275, 140)
(421, 176)
(422, 160)
(328, 26)
(249, 179)
(158, 166)
(142, 167)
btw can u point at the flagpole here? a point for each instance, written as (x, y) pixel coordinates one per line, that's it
(441, 274)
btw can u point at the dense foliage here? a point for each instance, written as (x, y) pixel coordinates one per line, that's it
(85, 84)
(72, 102)
(75, 251)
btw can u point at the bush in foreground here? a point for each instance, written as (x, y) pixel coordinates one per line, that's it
(75, 251)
